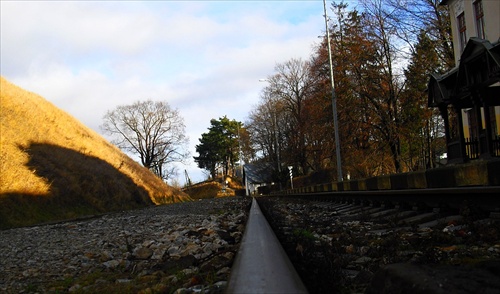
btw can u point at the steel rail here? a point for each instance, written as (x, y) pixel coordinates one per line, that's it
(261, 264)
(450, 190)
(379, 216)
(485, 197)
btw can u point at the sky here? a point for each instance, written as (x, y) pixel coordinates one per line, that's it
(204, 58)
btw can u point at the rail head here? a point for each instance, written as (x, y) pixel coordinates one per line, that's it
(261, 264)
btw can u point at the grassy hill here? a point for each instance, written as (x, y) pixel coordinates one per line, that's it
(52, 167)
(214, 188)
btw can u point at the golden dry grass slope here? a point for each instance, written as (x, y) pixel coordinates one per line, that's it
(214, 189)
(52, 167)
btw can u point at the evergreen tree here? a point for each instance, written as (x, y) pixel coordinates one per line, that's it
(423, 133)
(219, 147)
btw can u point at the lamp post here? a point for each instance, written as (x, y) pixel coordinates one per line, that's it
(275, 136)
(334, 101)
(239, 152)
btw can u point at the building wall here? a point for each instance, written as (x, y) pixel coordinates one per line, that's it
(491, 9)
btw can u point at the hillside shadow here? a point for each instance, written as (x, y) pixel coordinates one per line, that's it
(80, 185)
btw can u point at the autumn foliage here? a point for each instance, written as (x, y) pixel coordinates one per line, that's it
(380, 73)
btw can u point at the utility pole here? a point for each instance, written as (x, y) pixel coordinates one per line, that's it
(334, 100)
(239, 152)
(188, 180)
(277, 141)
(276, 129)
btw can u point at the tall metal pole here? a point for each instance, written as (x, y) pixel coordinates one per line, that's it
(277, 142)
(275, 133)
(334, 101)
(277, 146)
(239, 152)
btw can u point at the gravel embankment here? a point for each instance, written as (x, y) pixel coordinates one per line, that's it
(190, 247)
(177, 248)
(337, 252)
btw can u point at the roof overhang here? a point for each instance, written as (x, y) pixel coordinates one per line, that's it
(259, 173)
(440, 88)
(478, 72)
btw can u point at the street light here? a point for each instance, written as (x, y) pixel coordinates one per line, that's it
(239, 152)
(275, 132)
(334, 101)
(276, 136)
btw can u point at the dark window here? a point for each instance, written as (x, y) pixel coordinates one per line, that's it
(462, 31)
(478, 10)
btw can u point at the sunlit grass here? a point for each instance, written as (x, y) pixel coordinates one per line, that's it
(214, 189)
(46, 153)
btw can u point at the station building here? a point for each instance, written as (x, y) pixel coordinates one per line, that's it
(468, 96)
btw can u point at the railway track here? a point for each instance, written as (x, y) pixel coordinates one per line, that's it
(370, 242)
(261, 265)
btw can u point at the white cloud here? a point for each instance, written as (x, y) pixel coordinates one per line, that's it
(203, 57)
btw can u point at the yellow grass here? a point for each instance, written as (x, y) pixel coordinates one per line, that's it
(52, 164)
(214, 189)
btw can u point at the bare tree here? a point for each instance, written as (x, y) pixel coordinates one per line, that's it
(267, 126)
(411, 17)
(292, 86)
(152, 130)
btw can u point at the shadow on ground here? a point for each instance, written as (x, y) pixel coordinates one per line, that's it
(80, 185)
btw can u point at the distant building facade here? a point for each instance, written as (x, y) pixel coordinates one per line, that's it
(258, 178)
(468, 96)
